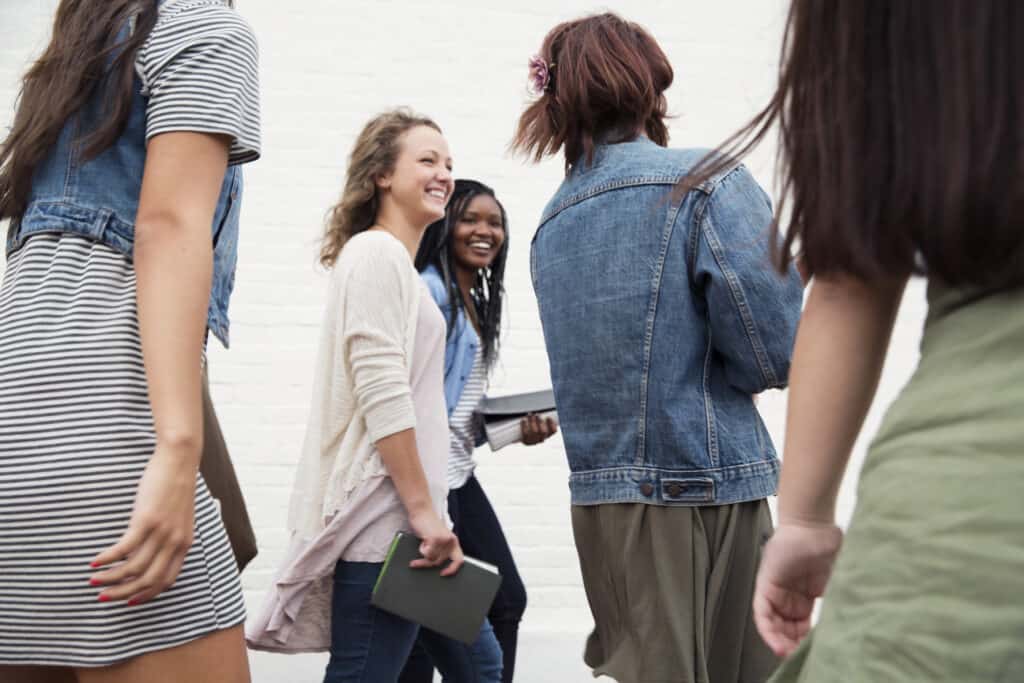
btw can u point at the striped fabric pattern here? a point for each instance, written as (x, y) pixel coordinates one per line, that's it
(462, 425)
(199, 67)
(76, 433)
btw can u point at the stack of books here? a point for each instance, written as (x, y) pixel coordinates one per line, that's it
(503, 415)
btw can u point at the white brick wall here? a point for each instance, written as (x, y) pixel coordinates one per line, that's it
(327, 66)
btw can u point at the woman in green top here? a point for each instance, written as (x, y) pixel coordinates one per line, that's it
(902, 141)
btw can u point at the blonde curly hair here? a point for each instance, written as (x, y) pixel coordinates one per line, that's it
(374, 154)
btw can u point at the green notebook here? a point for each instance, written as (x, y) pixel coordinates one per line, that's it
(454, 606)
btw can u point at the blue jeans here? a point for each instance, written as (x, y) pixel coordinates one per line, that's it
(481, 536)
(369, 645)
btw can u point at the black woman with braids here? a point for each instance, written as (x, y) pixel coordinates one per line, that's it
(462, 259)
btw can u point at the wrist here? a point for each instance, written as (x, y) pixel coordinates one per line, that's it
(183, 447)
(807, 520)
(419, 506)
(804, 508)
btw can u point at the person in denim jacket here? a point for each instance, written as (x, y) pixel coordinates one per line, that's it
(663, 317)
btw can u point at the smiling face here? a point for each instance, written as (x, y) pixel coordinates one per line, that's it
(478, 234)
(421, 181)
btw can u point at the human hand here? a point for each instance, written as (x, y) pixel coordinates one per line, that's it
(160, 532)
(537, 429)
(437, 543)
(795, 568)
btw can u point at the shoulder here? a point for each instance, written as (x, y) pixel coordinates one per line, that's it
(182, 24)
(629, 165)
(201, 15)
(651, 163)
(736, 187)
(375, 254)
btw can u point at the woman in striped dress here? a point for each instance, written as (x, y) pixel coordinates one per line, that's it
(121, 162)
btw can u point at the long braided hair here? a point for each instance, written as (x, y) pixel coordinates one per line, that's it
(488, 290)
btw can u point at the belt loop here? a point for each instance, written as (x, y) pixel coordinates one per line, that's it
(99, 226)
(13, 238)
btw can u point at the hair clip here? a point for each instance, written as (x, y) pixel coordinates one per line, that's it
(540, 75)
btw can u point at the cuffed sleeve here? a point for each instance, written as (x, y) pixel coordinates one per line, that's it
(199, 68)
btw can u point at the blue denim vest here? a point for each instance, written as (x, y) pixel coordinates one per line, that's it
(99, 199)
(662, 315)
(460, 348)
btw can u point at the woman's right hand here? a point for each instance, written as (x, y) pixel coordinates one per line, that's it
(537, 429)
(437, 543)
(795, 568)
(160, 533)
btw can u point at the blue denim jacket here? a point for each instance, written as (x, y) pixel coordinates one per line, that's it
(662, 315)
(460, 349)
(98, 199)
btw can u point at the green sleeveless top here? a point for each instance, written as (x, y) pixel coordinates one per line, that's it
(929, 585)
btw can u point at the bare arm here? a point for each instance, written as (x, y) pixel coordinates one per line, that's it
(173, 265)
(174, 269)
(840, 348)
(401, 458)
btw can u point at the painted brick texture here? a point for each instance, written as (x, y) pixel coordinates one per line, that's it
(326, 67)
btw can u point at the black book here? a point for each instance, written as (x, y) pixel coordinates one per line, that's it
(500, 408)
(454, 606)
(502, 414)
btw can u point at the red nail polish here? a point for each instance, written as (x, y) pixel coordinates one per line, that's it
(94, 582)
(104, 598)
(133, 602)
(94, 564)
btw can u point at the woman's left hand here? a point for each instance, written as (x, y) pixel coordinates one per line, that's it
(795, 568)
(537, 429)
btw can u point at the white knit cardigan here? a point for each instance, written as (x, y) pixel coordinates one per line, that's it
(361, 390)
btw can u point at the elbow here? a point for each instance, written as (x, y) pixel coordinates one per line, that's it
(776, 374)
(759, 372)
(167, 228)
(755, 381)
(779, 378)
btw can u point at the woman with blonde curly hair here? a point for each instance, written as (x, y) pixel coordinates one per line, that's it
(375, 456)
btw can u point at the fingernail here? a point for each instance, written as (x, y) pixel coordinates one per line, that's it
(94, 564)
(94, 582)
(133, 602)
(104, 598)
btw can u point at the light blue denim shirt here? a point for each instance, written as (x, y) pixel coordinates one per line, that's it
(662, 316)
(460, 349)
(99, 199)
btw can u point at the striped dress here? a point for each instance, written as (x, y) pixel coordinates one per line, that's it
(76, 430)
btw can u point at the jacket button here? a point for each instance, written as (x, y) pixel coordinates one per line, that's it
(646, 488)
(674, 490)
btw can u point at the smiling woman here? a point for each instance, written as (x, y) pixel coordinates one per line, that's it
(462, 259)
(375, 454)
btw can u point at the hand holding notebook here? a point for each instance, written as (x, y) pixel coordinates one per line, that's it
(503, 415)
(454, 606)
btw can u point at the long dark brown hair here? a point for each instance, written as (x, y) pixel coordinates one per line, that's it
(901, 140)
(84, 57)
(608, 83)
